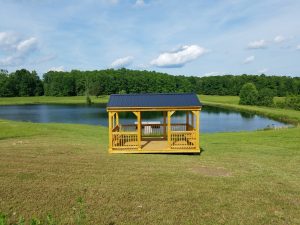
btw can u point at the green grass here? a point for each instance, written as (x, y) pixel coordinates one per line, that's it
(231, 102)
(240, 178)
(50, 100)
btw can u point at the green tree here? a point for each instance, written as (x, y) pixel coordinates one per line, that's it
(292, 101)
(265, 97)
(3, 80)
(248, 94)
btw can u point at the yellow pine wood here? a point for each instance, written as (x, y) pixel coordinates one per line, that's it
(177, 141)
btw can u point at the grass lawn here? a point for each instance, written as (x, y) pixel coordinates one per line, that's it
(50, 100)
(231, 102)
(240, 178)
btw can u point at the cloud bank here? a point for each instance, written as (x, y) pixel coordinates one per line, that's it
(122, 62)
(16, 49)
(57, 69)
(180, 57)
(260, 44)
(279, 39)
(249, 59)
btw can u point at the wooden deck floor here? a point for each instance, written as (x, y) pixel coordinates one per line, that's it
(154, 144)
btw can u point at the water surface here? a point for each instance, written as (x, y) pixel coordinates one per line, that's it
(212, 119)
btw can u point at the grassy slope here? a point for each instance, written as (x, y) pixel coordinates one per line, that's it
(50, 100)
(231, 102)
(240, 178)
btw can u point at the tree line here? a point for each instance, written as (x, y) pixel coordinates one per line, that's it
(249, 95)
(110, 81)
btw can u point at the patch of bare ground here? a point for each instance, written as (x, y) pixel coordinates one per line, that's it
(211, 171)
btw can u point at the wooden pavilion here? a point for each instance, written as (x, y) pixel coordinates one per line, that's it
(154, 137)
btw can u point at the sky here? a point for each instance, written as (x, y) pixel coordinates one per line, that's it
(192, 37)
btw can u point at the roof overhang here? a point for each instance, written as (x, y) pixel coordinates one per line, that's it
(130, 109)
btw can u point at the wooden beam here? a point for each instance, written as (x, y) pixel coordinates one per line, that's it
(136, 109)
(172, 112)
(136, 113)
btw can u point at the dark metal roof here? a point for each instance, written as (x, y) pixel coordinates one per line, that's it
(154, 100)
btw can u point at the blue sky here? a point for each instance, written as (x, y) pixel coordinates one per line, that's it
(194, 37)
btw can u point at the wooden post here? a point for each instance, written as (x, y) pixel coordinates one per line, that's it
(117, 118)
(169, 129)
(109, 132)
(165, 125)
(113, 120)
(170, 113)
(192, 123)
(197, 129)
(139, 130)
(187, 121)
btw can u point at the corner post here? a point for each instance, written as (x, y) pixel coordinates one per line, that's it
(197, 129)
(109, 132)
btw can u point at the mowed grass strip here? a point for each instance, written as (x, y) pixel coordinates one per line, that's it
(50, 100)
(239, 178)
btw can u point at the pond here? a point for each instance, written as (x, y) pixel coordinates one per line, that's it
(212, 119)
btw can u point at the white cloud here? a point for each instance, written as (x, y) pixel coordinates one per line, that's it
(214, 73)
(139, 3)
(179, 57)
(13, 60)
(114, 2)
(257, 44)
(298, 47)
(122, 62)
(8, 40)
(264, 70)
(279, 39)
(57, 69)
(16, 50)
(27, 45)
(249, 59)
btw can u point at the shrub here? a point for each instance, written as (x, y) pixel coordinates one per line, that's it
(293, 102)
(3, 219)
(248, 94)
(88, 100)
(265, 97)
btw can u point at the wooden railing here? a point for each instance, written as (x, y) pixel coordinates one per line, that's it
(124, 140)
(125, 137)
(183, 139)
(155, 130)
